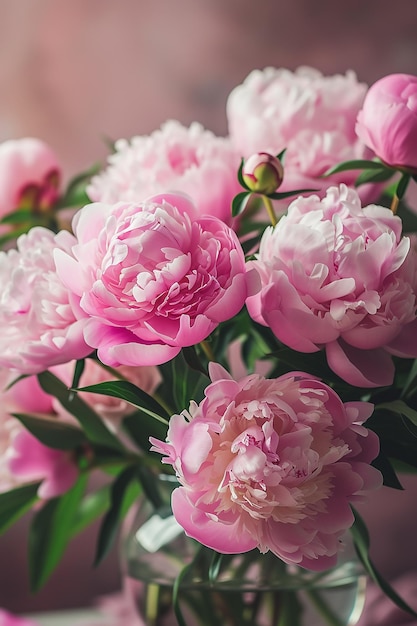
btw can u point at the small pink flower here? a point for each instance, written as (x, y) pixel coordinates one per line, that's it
(311, 115)
(335, 276)
(37, 315)
(152, 277)
(272, 464)
(8, 619)
(29, 461)
(29, 172)
(175, 158)
(387, 122)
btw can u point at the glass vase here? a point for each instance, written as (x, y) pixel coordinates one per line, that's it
(250, 589)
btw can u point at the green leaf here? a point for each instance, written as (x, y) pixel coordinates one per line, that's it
(140, 426)
(92, 424)
(75, 194)
(50, 532)
(400, 407)
(402, 185)
(17, 217)
(127, 391)
(373, 176)
(215, 565)
(281, 155)
(240, 202)
(355, 164)
(287, 194)
(15, 503)
(240, 175)
(91, 507)
(361, 539)
(52, 432)
(122, 495)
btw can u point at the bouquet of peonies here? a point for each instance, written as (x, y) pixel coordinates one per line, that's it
(242, 309)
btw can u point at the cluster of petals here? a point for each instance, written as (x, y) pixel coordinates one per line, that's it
(29, 170)
(23, 458)
(152, 277)
(174, 158)
(338, 276)
(387, 122)
(40, 325)
(270, 464)
(311, 115)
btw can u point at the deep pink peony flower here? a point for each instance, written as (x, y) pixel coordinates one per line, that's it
(311, 115)
(8, 619)
(333, 275)
(272, 464)
(175, 158)
(37, 314)
(29, 171)
(153, 277)
(387, 122)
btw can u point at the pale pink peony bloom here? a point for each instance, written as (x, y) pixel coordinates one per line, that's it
(387, 122)
(9, 619)
(311, 115)
(23, 458)
(29, 460)
(153, 277)
(37, 313)
(272, 464)
(335, 276)
(176, 159)
(29, 171)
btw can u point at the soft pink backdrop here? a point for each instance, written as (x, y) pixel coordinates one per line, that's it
(74, 71)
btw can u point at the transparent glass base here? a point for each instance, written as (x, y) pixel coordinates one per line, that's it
(238, 590)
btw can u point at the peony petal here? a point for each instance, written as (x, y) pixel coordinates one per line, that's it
(362, 368)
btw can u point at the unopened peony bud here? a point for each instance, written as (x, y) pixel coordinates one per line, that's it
(263, 173)
(387, 122)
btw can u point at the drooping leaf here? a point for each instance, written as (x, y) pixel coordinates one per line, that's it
(52, 432)
(287, 194)
(402, 185)
(140, 426)
(373, 176)
(15, 503)
(92, 424)
(362, 543)
(50, 533)
(127, 391)
(123, 492)
(355, 164)
(91, 507)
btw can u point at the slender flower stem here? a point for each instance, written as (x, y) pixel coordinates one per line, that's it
(270, 209)
(207, 350)
(394, 203)
(323, 608)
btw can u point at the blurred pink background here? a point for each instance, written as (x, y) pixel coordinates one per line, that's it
(75, 71)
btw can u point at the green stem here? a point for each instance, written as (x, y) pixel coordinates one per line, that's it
(394, 203)
(270, 210)
(152, 601)
(206, 347)
(323, 608)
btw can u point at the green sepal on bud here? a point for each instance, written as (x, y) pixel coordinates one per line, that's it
(262, 173)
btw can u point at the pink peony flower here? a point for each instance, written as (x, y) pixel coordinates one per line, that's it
(152, 277)
(29, 171)
(335, 276)
(311, 115)
(272, 464)
(8, 619)
(37, 315)
(29, 460)
(23, 458)
(175, 158)
(387, 122)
